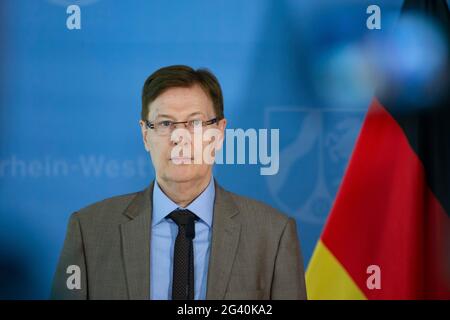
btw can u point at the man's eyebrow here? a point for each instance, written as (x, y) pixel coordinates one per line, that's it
(196, 113)
(165, 116)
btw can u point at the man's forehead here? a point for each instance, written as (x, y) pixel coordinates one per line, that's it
(181, 102)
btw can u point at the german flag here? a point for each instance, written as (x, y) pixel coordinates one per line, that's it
(388, 234)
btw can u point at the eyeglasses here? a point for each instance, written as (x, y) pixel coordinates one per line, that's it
(166, 127)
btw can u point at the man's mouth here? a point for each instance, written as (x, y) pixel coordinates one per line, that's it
(181, 159)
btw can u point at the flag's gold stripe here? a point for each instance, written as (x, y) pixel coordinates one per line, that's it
(327, 279)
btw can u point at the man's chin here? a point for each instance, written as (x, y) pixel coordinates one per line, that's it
(181, 174)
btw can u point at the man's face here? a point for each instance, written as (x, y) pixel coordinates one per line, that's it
(179, 104)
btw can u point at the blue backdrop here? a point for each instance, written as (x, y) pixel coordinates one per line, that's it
(70, 105)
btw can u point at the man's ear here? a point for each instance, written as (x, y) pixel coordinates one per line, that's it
(144, 131)
(222, 124)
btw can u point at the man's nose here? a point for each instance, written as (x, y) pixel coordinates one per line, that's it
(180, 136)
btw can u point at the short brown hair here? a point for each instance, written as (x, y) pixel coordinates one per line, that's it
(181, 76)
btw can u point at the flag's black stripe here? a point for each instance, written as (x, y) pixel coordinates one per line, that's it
(428, 129)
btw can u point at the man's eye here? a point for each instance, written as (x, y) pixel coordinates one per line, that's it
(165, 123)
(195, 123)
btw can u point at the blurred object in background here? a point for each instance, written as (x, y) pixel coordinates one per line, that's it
(388, 234)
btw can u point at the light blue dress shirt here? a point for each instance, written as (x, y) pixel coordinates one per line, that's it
(163, 234)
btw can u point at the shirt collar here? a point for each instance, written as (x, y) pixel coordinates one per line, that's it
(202, 206)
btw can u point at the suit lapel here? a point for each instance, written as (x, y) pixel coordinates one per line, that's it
(225, 239)
(136, 244)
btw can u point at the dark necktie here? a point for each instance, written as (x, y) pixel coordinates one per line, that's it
(183, 260)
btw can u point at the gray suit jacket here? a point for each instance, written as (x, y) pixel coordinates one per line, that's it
(255, 252)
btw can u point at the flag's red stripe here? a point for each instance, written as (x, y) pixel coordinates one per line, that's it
(386, 215)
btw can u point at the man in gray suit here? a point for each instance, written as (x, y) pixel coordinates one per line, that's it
(184, 236)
